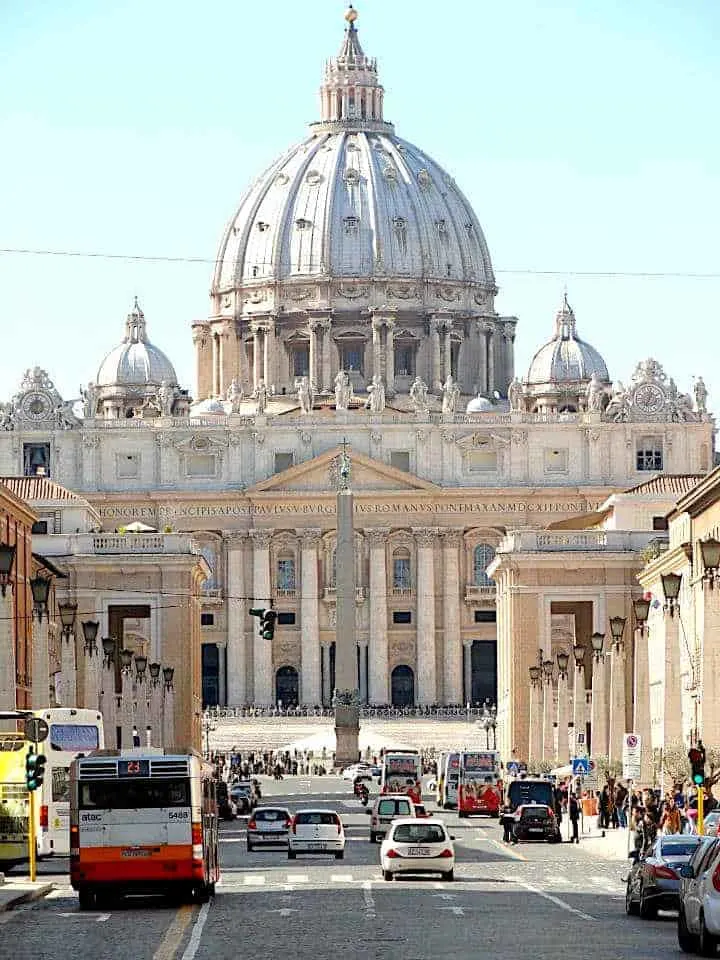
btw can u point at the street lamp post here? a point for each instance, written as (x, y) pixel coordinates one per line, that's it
(141, 693)
(168, 707)
(108, 694)
(617, 688)
(641, 685)
(599, 722)
(579, 714)
(535, 719)
(68, 661)
(127, 698)
(672, 699)
(40, 587)
(562, 751)
(548, 748)
(93, 667)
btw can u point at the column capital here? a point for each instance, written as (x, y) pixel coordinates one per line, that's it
(452, 536)
(376, 536)
(261, 538)
(236, 539)
(319, 324)
(467, 644)
(309, 536)
(424, 536)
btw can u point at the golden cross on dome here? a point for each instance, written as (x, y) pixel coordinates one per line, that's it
(351, 15)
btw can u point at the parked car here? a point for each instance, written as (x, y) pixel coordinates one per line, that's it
(386, 808)
(535, 821)
(244, 796)
(226, 807)
(268, 825)
(699, 900)
(711, 824)
(417, 846)
(654, 881)
(316, 831)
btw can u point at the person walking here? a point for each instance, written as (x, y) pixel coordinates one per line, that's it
(573, 808)
(507, 818)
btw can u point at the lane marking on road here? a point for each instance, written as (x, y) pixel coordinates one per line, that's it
(369, 900)
(284, 911)
(508, 850)
(549, 896)
(297, 878)
(98, 917)
(456, 911)
(194, 942)
(445, 896)
(341, 878)
(174, 934)
(252, 879)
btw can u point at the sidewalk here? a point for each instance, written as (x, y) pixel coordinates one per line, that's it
(13, 892)
(613, 846)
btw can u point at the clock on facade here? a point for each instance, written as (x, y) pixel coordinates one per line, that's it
(36, 406)
(649, 398)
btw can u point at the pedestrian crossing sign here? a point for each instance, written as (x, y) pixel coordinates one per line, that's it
(580, 766)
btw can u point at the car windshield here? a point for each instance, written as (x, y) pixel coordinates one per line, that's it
(317, 817)
(270, 815)
(678, 848)
(392, 807)
(419, 833)
(540, 813)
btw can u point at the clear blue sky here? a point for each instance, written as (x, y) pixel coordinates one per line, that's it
(585, 135)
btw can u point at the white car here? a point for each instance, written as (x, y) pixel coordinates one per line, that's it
(417, 846)
(699, 907)
(316, 831)
(349, 773)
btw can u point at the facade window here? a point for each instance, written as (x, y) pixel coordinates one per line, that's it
(485, 616)
(127, 466)
(404, 360)
(351, 225)
(286, 618)
(402, 616)
(286, 573)
(36, 459)
(483, 460)
(351, 357)
(483, 556)
(556, 461)
(660, 523)
(402, 573)
(39, 527)
(649, 454)
(200, 465)
(301, 361)
(283, 461)
(207, 619)
(400, 459)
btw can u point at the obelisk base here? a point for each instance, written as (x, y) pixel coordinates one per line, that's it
(347, 735)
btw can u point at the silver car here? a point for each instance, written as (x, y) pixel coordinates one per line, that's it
(268, 825)
(699, 907)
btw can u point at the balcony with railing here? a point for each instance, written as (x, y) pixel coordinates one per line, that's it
(101, 544)
(286, 593)
(479, 591)
(580, 541)
(330, 593)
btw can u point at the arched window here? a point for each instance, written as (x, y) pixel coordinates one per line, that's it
(483, 556)
(286, 572)
(402, 573)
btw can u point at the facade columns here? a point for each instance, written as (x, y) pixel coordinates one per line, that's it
(40, 661)
(599, 727)
(215, 364)
(435, 369)
(467, 671)
(236, 650)
(378, 693)
(326, 678)
(377, 346)
(562, 753)
(257, 366)
(263, 693)
(8, 667)
(390, 358)
(490, 348)
(447, 352)
(548, 717)
(452, 649)
(269, 355)
(313, 358)
(326, 362)
(579, 709)
(617, 700)
(363, 672)
(641, 702)
(672, 713)
(425, 656)
(536, 723)
(92, 677)
(310, 691)
(68, 667)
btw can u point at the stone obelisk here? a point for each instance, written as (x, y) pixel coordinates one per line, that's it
(346, 696)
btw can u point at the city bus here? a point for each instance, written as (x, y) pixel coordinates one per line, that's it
(72, 731)
(480, 786)
(401, 772)
(447, 782)
(143, 821)
(14, 805)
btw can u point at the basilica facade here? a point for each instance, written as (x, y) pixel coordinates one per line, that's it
(353, 303)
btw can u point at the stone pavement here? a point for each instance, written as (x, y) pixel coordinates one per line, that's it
(17, 891)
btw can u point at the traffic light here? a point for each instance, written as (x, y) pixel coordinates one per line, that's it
(267, 624)
(34, 769)
(696, 756)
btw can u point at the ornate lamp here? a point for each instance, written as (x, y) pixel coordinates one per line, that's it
(68, 612)
(90, 631)
(671, 589)
(563, 658)
(617, 629)
(534, 675)
(547, 669)
(168, 674)
(710, 553)
(641, 609)
(40, 587)
(7, 559)
(125, 660)
(579, 654)
(108, 649)
(140, 666)
(597, 640)
(155, 673)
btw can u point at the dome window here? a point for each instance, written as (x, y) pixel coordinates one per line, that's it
(313, 178)
(400, 230)
(262, 226)
(351, 225)
(303, 224)
(352, 176)
(469, 230)
(423, 178)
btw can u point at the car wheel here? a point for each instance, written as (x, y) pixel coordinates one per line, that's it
(707, 943)
(449, 875)
(646, 908)
(461, 815)
(87, 898)
(687, 941)
(292, 855)
(373, 837)
(387, 875)
(250, 848)
(631, 908)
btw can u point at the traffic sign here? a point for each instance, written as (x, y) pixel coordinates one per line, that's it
(36, 729)
(631, 756)
(580, 766)
(513, 768)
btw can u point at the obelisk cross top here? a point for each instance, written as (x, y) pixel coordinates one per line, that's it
(344, 471)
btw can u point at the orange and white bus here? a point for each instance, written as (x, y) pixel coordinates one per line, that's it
(480, 787)
(142, 820)
(401, 772)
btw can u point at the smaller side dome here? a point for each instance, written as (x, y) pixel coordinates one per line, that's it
(480, 404)
(566, 359)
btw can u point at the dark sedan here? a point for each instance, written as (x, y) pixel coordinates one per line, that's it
(535, 821)
(654, 881)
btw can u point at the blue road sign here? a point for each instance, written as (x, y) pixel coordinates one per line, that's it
(580, 766)
(513, 768)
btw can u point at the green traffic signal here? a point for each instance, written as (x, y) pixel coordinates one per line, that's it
(257, 612)
(34, 769)
(698, 778)
(267, 625)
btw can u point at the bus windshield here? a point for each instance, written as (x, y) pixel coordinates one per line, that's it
(120, 794)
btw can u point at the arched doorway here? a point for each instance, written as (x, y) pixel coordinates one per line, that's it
(287, 686)
(402, 685)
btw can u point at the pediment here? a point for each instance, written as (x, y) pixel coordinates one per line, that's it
(367, 474)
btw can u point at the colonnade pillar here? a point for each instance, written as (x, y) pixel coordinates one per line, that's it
(535, 750)
(378, 692)
(263, 693)
(310, 691)
(452, 648)
(426, 667)
(236, 668)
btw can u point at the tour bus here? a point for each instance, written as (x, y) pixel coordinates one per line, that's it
(401, 772)
(447, 783)
(14, 805)
(72, 731)
(143, 821)
(480, 787)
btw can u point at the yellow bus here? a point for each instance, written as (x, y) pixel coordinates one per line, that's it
(14, 804)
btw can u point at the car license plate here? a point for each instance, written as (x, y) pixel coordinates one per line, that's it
(316, 846)
(418, 852)
(535, 830)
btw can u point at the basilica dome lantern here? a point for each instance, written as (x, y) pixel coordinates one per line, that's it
(353, 251)
(135, 379)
